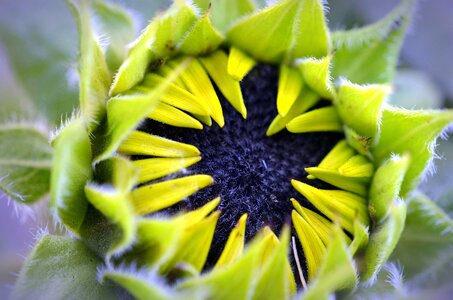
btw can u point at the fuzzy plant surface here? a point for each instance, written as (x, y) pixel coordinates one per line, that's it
(232, 151)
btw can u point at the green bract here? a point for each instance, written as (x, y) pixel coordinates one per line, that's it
(106, 199)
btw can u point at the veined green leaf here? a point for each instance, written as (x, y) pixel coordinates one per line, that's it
(369, 54)
(70, 172)
(413, 132)
(424, 248)
(95, 77)
(61, 268)
(25, 162)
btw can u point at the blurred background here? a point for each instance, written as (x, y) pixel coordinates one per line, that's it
(38, 51)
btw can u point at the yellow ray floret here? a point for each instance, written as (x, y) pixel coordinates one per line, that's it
(337, 205)
(177, 96)
(314, 248)
(198, 83)
(239, 64)
(153, 168)
(153, 197)
(323, 227)
(357, 166)
(235, 245)
(304, 102)
(216, 65)
(289, 86)
(195, 216)
(355, 184)
(170, 115)
(322, 119)
(140, 143)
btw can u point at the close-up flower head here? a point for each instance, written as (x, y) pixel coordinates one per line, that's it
(229, 150)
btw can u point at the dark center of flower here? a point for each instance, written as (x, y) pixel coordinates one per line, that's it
(252, 172)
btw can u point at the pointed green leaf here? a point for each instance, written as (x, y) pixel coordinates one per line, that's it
(383, 240)
(360, 107)
(386, 185)
(113, 199)
(414, 132)
(369, 54)
(25, 161)
(316, 74)
(95, 77)
(158, 41)
(70, 172)
(119, 25)
(201, 39)
(225, 12)
(425, 245)
(359, 143)
(61, 268)
(361, 237)
(267, 34)
(311, 35)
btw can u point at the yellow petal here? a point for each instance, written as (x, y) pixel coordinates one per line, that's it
(199, 84)
(235, 245)
(153, 168)
(199, 214)
(177, 96)
(239, 64)
(289, 86)
(140, 143)
(170, 115)
(314, 249)
(304, 102)
(357, 166)
(355, 184)
(216, 65)
(322, 119)
(153, 197)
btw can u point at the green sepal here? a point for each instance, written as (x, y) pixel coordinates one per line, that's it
(141, 287)
(316, 74)
(360, 107)
(337, 271)
(412, 132)
(225, 12)
(240, 274)
(311, 36)
(273, 281)
(359, 143)
(267, 34)
(424, 248)
(202, 38)
(112, 199)
(383, 240)
(61, 268)
(158, 41)
(70, 172)
(369, 54)
(361, 237)
(25, 162)
(119, 25)
(126, 111)
(386, 185)
(95, 76)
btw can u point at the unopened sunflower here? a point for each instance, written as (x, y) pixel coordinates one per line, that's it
(238, 153)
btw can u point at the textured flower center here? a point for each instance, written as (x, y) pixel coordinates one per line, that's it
(252, 171)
